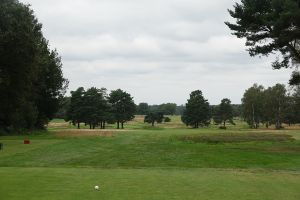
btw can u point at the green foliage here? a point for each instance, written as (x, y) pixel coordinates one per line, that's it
(75, 111)
(270, 106)
(90, 107)
(252, 104)
(197, 111)
(167, 119)
(168, 108)
(64, 103)
(31, 78)
(153, 117)
(122, 106)
(142, 109)
(223, 113)
(270, 26)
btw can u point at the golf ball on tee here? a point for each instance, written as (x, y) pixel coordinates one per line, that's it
(96, 187)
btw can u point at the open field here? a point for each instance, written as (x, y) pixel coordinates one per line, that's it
(144, 162)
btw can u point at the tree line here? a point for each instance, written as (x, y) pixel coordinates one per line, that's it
(31, 79)
(271, 106)
(96, 108)
(198, 112)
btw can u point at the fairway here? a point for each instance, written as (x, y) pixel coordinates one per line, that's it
(149, 184)
(144, 162)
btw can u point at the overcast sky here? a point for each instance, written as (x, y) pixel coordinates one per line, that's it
(157, 50)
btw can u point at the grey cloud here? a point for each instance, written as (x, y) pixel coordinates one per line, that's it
(157, 50)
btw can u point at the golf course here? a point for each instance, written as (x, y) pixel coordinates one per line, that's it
(167, 161)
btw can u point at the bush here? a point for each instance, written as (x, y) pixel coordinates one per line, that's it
(167, 119)
(222, 127)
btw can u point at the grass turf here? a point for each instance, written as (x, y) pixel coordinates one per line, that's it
(148, 184)
(150, 163)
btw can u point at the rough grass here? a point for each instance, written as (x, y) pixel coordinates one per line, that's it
(237, 137)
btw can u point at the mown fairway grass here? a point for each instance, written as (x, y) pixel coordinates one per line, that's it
(150, 163)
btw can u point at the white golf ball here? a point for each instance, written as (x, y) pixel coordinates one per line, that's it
(96, 187)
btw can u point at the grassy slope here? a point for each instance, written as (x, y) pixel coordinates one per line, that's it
(149, 163)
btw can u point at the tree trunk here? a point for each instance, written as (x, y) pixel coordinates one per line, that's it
(224, 123)
(118, 125)
(122, 124)
(78, 125)
(90, 126)
(103, 125)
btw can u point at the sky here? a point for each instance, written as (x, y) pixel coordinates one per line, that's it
(158, 51)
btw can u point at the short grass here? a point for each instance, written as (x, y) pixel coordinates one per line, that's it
(146, 184)
(144, 162)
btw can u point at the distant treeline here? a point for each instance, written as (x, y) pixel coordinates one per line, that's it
(271, 106)
(96, 108)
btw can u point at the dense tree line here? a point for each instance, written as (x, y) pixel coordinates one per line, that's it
(31, 79)
(166, 108)
(271, 106)
(96, 108)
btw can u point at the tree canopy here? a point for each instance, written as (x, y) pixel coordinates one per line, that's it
(223, 113)
(153, 117)
(31, 79)
(197, 112)
(123, 107)
(273, 105)
(270, 26)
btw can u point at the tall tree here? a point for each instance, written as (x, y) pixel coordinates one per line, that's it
(30, 74)
(197, 112)
(95, 107)
(123, 107)
(224, 113)
(277, 103)
(270, 26)
(75, 113)
(252, 105)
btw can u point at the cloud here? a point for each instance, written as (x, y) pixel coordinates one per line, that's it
(159, 51)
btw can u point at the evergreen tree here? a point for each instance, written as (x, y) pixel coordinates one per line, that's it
(197, 112)
(75, 113)
(270, 26)
(224, 113)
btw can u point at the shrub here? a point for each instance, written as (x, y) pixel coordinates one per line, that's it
(167, 119)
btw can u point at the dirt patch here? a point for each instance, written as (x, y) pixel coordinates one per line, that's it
(84, 133)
